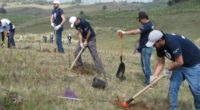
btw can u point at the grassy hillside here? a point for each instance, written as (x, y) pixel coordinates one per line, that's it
(33, 75)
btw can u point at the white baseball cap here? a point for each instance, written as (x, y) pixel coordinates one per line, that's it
(154, 36)
(56, 2)
(72, 20)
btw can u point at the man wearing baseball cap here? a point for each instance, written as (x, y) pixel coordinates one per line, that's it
(185, 66)
(87, 38)
(57, 20)
(146, 52)
(7, 29)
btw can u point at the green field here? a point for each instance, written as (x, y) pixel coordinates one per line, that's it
(34, 76)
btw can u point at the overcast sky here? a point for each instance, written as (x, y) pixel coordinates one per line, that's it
(96, 1)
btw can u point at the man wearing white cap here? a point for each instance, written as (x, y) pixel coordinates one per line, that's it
(7, 29)
(87, 38)
(57, 20)
(185, 66)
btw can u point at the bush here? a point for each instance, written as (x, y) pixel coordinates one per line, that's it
(82, 13)
(104, 8)
(3, 10)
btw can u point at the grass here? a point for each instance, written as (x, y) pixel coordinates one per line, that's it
(39, 77)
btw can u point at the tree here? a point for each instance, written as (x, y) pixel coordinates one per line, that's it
(78, 1)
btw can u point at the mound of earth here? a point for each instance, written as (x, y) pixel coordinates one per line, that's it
(81, 70)
(139, 106)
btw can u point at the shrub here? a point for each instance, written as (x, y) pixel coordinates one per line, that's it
(3, 10)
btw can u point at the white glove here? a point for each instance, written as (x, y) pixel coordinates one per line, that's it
(152, 78)
(167, 72)
(82, 45)
(123, 32)
(57, 27)
(85, 43)
(53, 25)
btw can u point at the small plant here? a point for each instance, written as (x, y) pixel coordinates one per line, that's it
(3, 10)
(104, 8)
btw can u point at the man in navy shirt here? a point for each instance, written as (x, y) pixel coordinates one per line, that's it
(186, 64)
(7, 29)
(87, 38)
(57, 20)
(146, 52)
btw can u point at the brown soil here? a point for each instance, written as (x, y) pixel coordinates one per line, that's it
(139, 106)
(81, 70)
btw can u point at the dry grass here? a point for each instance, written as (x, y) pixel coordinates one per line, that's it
(39, 77)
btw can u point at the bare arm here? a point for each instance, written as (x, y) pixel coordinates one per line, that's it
(88, 35)
(178, 62)
(63, 19)
(80, 37)
(159, 66)
(133, 32)
(51, 19)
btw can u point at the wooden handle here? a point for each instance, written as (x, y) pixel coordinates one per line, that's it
(147, 87)
(121, 36)
(77, 57)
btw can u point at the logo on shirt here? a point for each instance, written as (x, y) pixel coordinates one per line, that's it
(54, 15)
(168, 55)
(175, 51)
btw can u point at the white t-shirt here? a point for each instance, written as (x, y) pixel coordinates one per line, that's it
(5, 25)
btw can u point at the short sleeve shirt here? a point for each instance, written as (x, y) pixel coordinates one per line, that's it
(57, 19)
(177, 45)
(6, 25)
(145, 30)
(84, 27)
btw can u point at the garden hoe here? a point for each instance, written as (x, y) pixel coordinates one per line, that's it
(125, 104)
(121, 68)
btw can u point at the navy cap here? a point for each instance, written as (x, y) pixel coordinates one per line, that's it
(142, 15)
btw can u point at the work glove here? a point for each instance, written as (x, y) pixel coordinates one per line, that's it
(53, 25)
(167, 72)
(82, 45)
(85, 43)
(57, 27)
(152, 79)
(121, 31)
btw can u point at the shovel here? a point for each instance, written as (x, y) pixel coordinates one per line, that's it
(81, 51)
(125, 104)
(121, 68)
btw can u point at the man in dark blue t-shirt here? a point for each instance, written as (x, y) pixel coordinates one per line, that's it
(146, 52)
(186, 64)
(87, 38)
(57, 20)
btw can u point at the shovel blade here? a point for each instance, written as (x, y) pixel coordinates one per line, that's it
(121, 71)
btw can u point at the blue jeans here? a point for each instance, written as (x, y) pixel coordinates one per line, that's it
(59, 40)
(146, 65)
(11, 41)
(192, 75)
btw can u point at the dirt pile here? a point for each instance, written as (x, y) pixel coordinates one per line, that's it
(81, 70)
(139, 106)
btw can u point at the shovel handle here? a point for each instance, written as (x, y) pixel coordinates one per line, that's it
(144, 89)
(121, 36)
(77, 57)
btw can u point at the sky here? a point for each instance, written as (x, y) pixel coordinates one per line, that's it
(96, 1)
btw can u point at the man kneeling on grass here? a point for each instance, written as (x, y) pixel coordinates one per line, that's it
(87, 38)
(186, 64)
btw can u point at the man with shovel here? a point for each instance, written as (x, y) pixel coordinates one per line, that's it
(57, 20)
(146, 52)
(87, 38)
(186, 64)
(7, 29)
